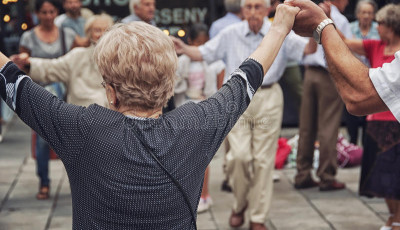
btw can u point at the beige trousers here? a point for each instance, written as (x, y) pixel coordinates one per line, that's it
(251, 158)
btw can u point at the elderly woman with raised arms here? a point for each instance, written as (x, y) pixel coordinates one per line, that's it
(131, 167)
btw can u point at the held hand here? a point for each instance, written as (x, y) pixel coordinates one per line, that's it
(82, 41)
(284, 17)
(179, 44)
(308, 18)
(326, 7)
(21, 60)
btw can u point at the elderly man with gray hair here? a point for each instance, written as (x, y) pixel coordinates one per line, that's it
(232, 16)
(253, 140)
(141, 10)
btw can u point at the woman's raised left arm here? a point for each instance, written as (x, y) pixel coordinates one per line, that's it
(59, 123)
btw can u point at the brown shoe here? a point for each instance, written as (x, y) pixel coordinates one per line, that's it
(332, 186)
(237, 219)
(257, 226)
(308, 184)
(44, 193)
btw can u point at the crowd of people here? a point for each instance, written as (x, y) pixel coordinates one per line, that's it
(131, 164)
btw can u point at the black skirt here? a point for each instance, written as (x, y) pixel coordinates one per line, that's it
(380, 169)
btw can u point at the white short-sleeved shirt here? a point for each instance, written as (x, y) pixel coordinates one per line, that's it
(386, 81)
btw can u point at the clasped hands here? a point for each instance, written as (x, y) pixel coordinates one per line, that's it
(303, 16)
(21, 60)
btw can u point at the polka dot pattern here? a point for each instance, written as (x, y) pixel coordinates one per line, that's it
(115, 183)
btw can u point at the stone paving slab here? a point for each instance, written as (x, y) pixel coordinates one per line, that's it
(291, 209)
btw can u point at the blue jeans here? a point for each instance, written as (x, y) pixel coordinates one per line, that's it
(42, 161)
(42, 148)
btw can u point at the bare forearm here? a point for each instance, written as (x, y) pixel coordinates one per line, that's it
(355, 45)
(193, 52)
(350, 76)
(269, 47)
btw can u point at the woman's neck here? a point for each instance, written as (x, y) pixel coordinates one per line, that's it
(392, 45)
(46, 28)
(365, 29)
(151, 113)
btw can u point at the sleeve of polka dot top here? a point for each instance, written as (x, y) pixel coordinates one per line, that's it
(222, 110)
(62, 125)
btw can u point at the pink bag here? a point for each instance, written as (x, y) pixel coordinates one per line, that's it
(348, 154)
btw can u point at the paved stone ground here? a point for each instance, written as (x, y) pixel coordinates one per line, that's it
(291, 209)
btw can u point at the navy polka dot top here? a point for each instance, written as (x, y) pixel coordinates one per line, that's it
(115, 183)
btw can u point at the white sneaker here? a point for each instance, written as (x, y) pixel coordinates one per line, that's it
(276, 177)
(204, 204)
(386, 228)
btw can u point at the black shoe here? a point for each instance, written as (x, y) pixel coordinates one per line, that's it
(225, 186)
(308, 184)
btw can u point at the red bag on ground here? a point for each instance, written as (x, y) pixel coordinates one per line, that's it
(282, 153)
(53, 154)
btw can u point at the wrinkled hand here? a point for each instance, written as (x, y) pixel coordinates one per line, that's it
(179, 44)
(284, 17)
(308, 18)
(21, 60)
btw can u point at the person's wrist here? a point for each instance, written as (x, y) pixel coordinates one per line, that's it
(184, 48)
(279, 30)
(317, 22)
(317, 33)
(326, 31)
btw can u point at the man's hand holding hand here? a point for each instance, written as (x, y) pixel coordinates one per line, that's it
(308, 18)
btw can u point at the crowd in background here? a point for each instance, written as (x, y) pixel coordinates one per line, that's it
(57, 53)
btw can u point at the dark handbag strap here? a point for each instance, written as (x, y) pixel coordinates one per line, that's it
(63, 45)
(186, 198)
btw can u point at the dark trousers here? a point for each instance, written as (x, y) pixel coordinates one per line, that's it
(352, 124)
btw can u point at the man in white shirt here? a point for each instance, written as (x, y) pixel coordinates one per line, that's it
(141, 10)
(253, 140)
(363, 90)
(320, 115)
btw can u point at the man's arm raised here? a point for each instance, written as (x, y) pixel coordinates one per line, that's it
(192, 51)
(349, 74)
